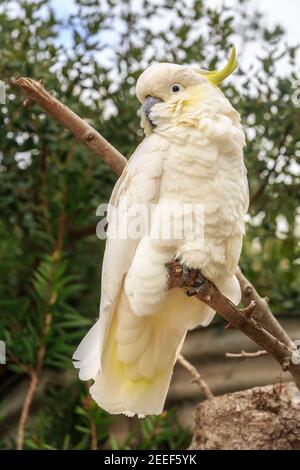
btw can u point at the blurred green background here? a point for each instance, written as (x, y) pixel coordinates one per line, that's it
(89, 54)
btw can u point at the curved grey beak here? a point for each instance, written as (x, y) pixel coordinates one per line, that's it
(147, 105)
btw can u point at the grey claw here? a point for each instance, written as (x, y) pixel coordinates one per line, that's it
(189, 293)
(200, 279)
(195, 290)
(185, 274)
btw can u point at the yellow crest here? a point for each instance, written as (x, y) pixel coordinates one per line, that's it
(217, 76)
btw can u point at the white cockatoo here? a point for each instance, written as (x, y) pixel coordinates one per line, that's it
(192, 155)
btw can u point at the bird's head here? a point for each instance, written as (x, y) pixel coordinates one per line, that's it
(170, 92)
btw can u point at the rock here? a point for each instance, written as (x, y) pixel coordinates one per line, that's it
(259, 418)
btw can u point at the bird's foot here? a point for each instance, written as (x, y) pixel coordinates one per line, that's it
(192, 279)
(197, 288)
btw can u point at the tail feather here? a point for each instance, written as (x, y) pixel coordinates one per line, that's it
(87, 356)
(139, 352)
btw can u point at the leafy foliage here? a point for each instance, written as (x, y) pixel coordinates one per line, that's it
(51, 186)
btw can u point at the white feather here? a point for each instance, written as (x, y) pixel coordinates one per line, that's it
(86, 356)
(118, 253)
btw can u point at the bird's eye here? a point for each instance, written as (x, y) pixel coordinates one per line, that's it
(176, 88)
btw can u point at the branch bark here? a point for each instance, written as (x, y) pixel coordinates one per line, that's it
(236, 318)
(262, 328)
(196, 377)
(246, 355)
(262, 312)
(34, 378)
(35, 372)
(36, 93)
(25, 409)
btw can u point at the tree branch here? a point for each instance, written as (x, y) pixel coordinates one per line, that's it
(25, 409)
(36, 93)
(263, 328)
(261, 313)
(34, 377)
(196, 377)
(240, 319)
(246, 355)
(34, 373)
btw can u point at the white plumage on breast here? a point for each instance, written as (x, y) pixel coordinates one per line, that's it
(205, 166)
